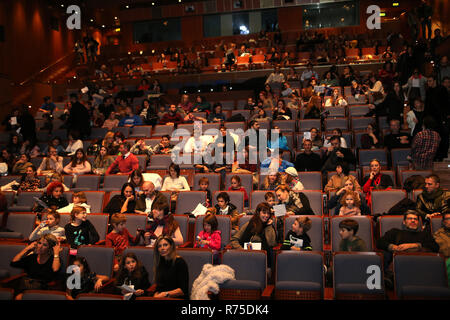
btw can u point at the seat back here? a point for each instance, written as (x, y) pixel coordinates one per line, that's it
(87, 182)
(6, 294)
(364, 231)
(141, 131)
(307, 124)
(95, 200)
(341, 123)
(248, 265)
(160, 162)
(22, 223)
(188, 200)
(315, 200)
(361, 123)
(405, 174)
(358, 111)
(310, 264)
(160, 130)
(135, 222)
(383, 200)
(43, 295)
(183, 222)
(114, 182)
(236, 198)
(257, 197)
(26, 201)
(99, 258)
(7, 253)
(195, 259)
(315, 233)
(399, 157)
(420, 275)
(350, 270)
(224, 225)
(100, 222)
(311, 180)
(367, 155)
(390, 222)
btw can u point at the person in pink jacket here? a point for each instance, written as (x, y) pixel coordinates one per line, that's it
(210, 237)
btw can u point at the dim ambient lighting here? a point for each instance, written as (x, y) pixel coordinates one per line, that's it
(29, 107)
(395, 4)
(153, 3)
(103, 25)
(141, 52)
(92, 20)
(127, 7)
(129, 52)
(115, 18)
(211, 89)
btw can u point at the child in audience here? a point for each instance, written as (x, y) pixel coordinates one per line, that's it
(78, 199)
(225, 207)
(350, 242)
(350, 204)
(237, 186)
(270, 198)
(132, 273)
(89, 281)
(297, 238)
(204, 186)
(210, 237)
(119, 238)
(49, 225)
(80, 230)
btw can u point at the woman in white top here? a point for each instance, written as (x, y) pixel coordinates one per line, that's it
(174, 182)
(79, 164)
(74, 144)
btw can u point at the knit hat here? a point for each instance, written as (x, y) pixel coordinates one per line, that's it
(291, 171)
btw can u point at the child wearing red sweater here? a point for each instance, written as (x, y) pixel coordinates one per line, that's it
(210, 237)
(237, 186)
(119, 238)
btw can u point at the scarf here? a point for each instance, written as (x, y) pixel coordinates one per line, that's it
(431, 196)
(156, 223)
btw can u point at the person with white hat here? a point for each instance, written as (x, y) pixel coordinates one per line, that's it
(290, 177)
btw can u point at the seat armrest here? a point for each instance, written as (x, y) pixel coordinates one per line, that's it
(5, 282)
(187, 244)
(267, 293)
(151, 291)
(101, 242)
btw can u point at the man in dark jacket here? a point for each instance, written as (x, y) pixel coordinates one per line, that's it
(79, 118)
(308, 160)
(433, 200)
(145, 202)
(411, 238)
(336, 154)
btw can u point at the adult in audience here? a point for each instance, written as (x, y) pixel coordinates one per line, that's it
(55, 142)
(275, 79)
(79, 164)
(335, 200)
(125, 163)
(313, 108)
(172, 117)
(442, 236)
(410, 238)
(335, 132)
(107, 107)
(416, 86)
(29, 180)
(281, 112)
(433, 200)
(290, 178)
(79, 119)
(40, 261)
(297, 203)
(275, 162)
(137, 180)
(162, 223)
(371, 139)
(150, 196)
(396, 139)
(201, 105)
(392, 104)
(53, 197)
(271, 181)
(226, 139)
(338, 180)
(74, 143)
(164, 147)
(130, 119)
(245, 166)
(280, 141)
(192, 118)
(148, 113)
(254, 133)
(316, 139)
(375, 180)
(425, 145)
(14, 145)
(308, 160)
(217, 115)
(171, 270)
(308, 74)
(125, 202)
(52, 163)
(336, 154)
(140, 148)
(21, 165)
(260, 229)
(102, 161)
(185, 106)
(174, 182)
(54, 177)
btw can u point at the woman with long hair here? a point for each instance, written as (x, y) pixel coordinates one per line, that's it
(79, 164)
(125, 202)
(102, 161)
(170, 270)
(163, 224)
(375, 180)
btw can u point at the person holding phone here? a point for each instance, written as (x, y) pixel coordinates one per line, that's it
(41, 263)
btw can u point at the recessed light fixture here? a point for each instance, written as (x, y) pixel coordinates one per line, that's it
(127, 7)
(103, 25)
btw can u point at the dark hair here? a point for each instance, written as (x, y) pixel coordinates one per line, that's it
(176, 168)
(335, 138)
(123, 272)
(127, 184)
(224, 196)
(84, 263)
(119, 134)
(414, 212)
(126, 145)
(255, 224)
(212, 221)
(138, 173)
(166, 136)
(75, 159)
(429, 122)
(161, 206)
(268, 195)
(349, 225)
(344, 166)
(73, 95)
(435, 178)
